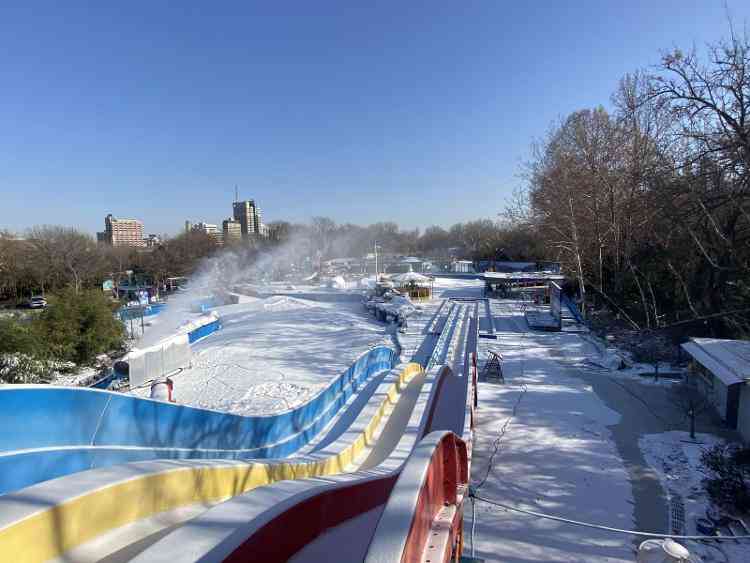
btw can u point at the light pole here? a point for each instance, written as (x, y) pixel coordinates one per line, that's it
(376, 261)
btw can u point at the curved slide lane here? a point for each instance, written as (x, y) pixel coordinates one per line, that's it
(310, 519)
(49, 432)
(162, 510)
(52, 518)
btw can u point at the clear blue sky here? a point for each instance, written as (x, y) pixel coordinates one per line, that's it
(417, 112)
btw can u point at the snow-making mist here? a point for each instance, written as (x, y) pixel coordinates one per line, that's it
(218, 276)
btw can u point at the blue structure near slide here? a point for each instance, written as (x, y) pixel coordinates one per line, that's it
(127, 313)
(50, 431)
(203, 331)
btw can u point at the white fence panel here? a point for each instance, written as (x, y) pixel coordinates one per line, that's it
(159, 361)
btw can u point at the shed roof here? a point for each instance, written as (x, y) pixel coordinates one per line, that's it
(521, 276)
(729, 360)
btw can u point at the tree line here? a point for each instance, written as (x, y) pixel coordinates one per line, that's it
(51, 258)
(647, 204)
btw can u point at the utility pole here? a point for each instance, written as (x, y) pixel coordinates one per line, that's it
(376, 261)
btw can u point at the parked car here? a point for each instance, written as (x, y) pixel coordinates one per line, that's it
(37, 302)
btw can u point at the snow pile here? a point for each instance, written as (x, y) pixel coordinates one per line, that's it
(284, 303)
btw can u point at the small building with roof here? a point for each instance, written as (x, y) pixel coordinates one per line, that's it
(722, 371)
(417, 286)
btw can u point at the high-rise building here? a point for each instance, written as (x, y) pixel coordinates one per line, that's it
(121, 232)
(232, 231)
(208, 228)
(152, 241)
(249, 217)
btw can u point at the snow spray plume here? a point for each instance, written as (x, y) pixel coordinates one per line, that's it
(231, 269)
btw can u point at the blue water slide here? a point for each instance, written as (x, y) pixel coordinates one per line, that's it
(49, 432)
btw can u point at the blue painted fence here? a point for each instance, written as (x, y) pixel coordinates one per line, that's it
(49, 432)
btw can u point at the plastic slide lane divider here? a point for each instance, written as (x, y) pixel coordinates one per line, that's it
(46, 520)
(51, 431)
(422, 519)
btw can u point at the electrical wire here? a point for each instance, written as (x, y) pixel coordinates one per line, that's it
(496, 446)
(500, 435)
(602, 527)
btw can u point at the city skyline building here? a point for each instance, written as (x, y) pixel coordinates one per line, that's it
(231, 230)
(249, 216)
(152, 241)
(121, 232)
(210, 229)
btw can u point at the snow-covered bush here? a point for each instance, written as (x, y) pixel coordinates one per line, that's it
(22, 368)
(728, 476)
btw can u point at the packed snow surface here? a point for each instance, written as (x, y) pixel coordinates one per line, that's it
(274, 354)
(556, 455)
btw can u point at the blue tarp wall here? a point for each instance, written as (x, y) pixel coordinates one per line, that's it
(50, 431)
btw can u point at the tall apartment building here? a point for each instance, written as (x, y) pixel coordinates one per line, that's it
(248, 215)
(232, 230)
(210, 229)
(121, 232)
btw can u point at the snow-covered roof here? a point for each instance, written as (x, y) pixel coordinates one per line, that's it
(411, 277)
(520, 276)
(729, 360)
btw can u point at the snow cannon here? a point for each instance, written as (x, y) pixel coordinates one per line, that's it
(662, 551)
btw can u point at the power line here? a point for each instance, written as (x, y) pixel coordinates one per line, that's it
(600, 526)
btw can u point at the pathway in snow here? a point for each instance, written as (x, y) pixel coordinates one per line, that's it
(574, 448)
(556, 456)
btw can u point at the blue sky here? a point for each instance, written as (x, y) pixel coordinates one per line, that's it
(416, 112)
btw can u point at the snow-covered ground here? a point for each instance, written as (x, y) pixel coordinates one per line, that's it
(556, 455)
(577, 439)
(274, 354)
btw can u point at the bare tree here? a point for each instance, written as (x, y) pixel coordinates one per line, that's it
(691, 400)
